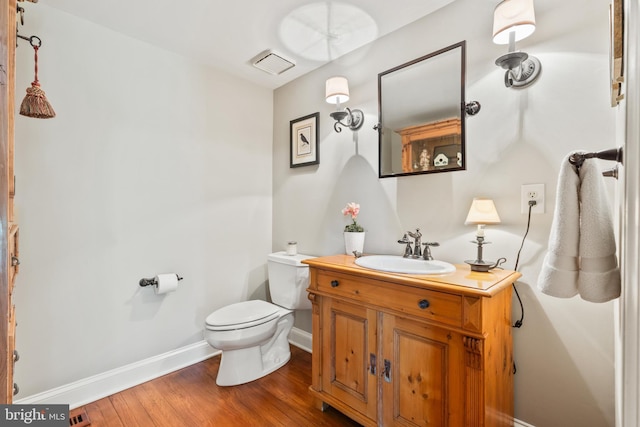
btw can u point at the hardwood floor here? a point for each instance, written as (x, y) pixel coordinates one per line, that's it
(190, 397)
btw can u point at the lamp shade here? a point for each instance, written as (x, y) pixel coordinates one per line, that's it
(337, 90)
(515, 16)
(482, 211)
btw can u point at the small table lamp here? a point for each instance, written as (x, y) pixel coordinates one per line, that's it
(481, 213)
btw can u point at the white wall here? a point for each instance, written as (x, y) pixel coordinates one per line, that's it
(564, 351)
(153, 164)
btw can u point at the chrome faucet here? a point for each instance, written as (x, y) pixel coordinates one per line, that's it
(417, 243)
(417, 251)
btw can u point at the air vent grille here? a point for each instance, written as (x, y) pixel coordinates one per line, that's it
(272, 62)
(78, 418)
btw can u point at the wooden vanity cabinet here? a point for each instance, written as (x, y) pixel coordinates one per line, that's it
(407, 350)
(9, 260)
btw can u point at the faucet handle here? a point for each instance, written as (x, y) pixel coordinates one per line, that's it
(407, 250)
(404, 239)
(427, 249)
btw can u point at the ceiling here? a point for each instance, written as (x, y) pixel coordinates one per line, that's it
(230, 35)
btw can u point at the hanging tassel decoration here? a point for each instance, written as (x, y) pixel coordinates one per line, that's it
(35, 103)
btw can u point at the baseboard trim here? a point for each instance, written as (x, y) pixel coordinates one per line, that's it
(87, 390)
(301, 339)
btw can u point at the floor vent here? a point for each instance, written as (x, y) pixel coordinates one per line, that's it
(79, 418)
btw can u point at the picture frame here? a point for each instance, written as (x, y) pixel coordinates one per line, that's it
(303, 135)
(616, 50)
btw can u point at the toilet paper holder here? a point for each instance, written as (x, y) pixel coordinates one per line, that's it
(153, 281)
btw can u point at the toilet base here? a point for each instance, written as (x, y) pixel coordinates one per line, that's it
(248, 364)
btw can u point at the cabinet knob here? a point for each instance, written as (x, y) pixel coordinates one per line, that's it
(334, 283)
(16, 356)
(15, 261)
(423, 303)
(16, 389)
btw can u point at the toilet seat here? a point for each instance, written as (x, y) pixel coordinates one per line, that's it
(242, 315)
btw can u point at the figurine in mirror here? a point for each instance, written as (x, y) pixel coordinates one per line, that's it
(421, 114)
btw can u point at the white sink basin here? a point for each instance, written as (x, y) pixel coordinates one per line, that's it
(398, 264)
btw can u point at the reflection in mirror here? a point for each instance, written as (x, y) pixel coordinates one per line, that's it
(421, 114)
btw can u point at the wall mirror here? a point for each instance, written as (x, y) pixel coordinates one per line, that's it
(421, 114)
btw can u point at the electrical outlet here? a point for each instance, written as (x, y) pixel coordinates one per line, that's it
(531, 192)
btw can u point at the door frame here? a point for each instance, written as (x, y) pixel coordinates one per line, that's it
(628, 320)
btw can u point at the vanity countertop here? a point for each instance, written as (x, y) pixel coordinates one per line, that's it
(463, 280)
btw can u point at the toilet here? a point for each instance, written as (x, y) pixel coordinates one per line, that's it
(253, 335)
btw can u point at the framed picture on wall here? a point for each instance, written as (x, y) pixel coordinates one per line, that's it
(304, 141)
(616, 50)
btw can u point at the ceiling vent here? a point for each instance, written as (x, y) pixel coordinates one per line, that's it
(272, 62)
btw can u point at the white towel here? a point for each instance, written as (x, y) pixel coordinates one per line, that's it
(581, 257)
(559, 274)
(599, 277)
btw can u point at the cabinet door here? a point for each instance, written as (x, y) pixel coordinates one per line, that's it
(422, 374)
(349, 355)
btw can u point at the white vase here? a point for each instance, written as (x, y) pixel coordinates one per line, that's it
(353, 241)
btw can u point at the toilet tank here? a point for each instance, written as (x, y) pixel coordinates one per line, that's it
(289, 280)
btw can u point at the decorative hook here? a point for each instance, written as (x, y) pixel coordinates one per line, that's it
(32, 40)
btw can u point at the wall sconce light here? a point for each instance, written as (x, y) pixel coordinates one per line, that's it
(337, 92)
(481, 213)
(514, 20)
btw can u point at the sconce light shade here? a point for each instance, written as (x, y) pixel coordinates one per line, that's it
(516, 16)
(337, 90)
(482, 211)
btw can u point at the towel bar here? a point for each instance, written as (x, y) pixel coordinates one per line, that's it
(577, 159)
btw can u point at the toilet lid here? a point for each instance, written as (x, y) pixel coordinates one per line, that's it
(247, 313)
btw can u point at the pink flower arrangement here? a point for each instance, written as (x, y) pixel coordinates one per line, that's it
(352, 209)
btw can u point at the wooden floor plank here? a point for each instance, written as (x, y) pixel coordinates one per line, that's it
(159, 408)
(190, 397)
(102, 413)
(130, 410)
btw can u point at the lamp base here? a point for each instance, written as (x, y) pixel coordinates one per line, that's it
(480, 265)
(484, 266)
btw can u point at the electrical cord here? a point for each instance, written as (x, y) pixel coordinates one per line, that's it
(518, 323)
